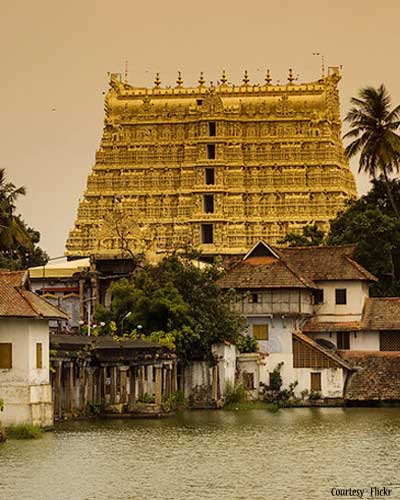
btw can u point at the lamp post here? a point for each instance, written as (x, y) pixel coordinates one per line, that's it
(89, 311)
(123, 319)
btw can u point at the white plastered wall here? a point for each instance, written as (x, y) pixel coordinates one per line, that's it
(26, 390)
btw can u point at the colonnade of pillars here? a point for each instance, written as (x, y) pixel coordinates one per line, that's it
(77, 385)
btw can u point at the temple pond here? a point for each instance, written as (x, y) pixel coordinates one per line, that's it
(291, 454)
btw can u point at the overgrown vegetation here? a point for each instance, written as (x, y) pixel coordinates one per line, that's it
(18, 241)
(234, 394)
(247, 344)
(24, 431)
(174, 303)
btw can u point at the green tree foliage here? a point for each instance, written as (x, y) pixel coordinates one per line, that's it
(177, 303)
(374, 133)
(311, 236)
(18, 242)
(371, 223)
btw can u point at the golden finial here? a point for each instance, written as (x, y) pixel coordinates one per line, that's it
(291, 77)
(268, 78)
(179, 80)
(246, 78)
(157, 81)
(223, 77)
(201, 79)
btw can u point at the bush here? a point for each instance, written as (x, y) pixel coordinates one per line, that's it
(275, 381)
(234, 394)
(24, 431)
(247, 344)
(146, 399)
(314, 395)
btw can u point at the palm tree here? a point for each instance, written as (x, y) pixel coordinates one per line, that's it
(13, 231)
(374, 128)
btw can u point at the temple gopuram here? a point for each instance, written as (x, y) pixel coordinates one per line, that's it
(212, 167)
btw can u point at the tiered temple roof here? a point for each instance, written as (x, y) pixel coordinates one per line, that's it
(215, 167)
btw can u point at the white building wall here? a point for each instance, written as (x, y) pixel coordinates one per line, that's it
(226, 355)
(332, 379)
(26, 390)
(359, 341)
(357, 292)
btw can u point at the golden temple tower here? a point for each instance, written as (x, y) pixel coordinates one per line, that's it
(212, 167)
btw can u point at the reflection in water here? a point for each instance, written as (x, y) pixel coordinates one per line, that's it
(292, 454)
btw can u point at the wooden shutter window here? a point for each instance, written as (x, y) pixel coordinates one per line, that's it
(343, 340)
(5, 355)
(316, 382)
(260, 332)
(39, 356)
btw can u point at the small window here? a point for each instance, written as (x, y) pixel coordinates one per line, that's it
(260, 332)
(316, 382)
(5, 355)
(212, 129)
(210, 176)
(207, 233)
(341, 296)
(343, 340)
(199, 102)
(318, 296)
(154, 374)
(254, 298)
(211, 151)
(39, 356)
(208, 203)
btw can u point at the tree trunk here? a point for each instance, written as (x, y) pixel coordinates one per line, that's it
(390, 194)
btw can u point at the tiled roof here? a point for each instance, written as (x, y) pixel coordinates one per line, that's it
(377, 376)
(14, 278)
(313, 326)
(327, 263)
(326, 352)
(17, 301)
(381, 314)
(265, 266)
(264, 272)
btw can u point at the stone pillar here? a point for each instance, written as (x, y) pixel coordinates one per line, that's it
(214, 387)
(174, 376)
(58, 389)
(90, 386)
(167, 372)
(122, 385)
(158, 385)
(103, 383)
(113, 388)
(141, 382)
(69, 388)
(132, 394)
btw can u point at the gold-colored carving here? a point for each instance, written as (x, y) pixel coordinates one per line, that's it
(278, 165)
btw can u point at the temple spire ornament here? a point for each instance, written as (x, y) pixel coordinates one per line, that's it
(246, 78)
(268, 78)
(223, 77)
(201, 79)
(157, 81)
(291, 78)
(179, 80)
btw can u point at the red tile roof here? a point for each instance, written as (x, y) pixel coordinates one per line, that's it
(265, 266)
(313, 326)
(327, 263)
(377, 376)
(381, 314)
(16, 300)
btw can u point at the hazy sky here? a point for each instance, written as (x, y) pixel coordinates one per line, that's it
(57, 54)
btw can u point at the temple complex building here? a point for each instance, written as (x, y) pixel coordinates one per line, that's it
(214, 167)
